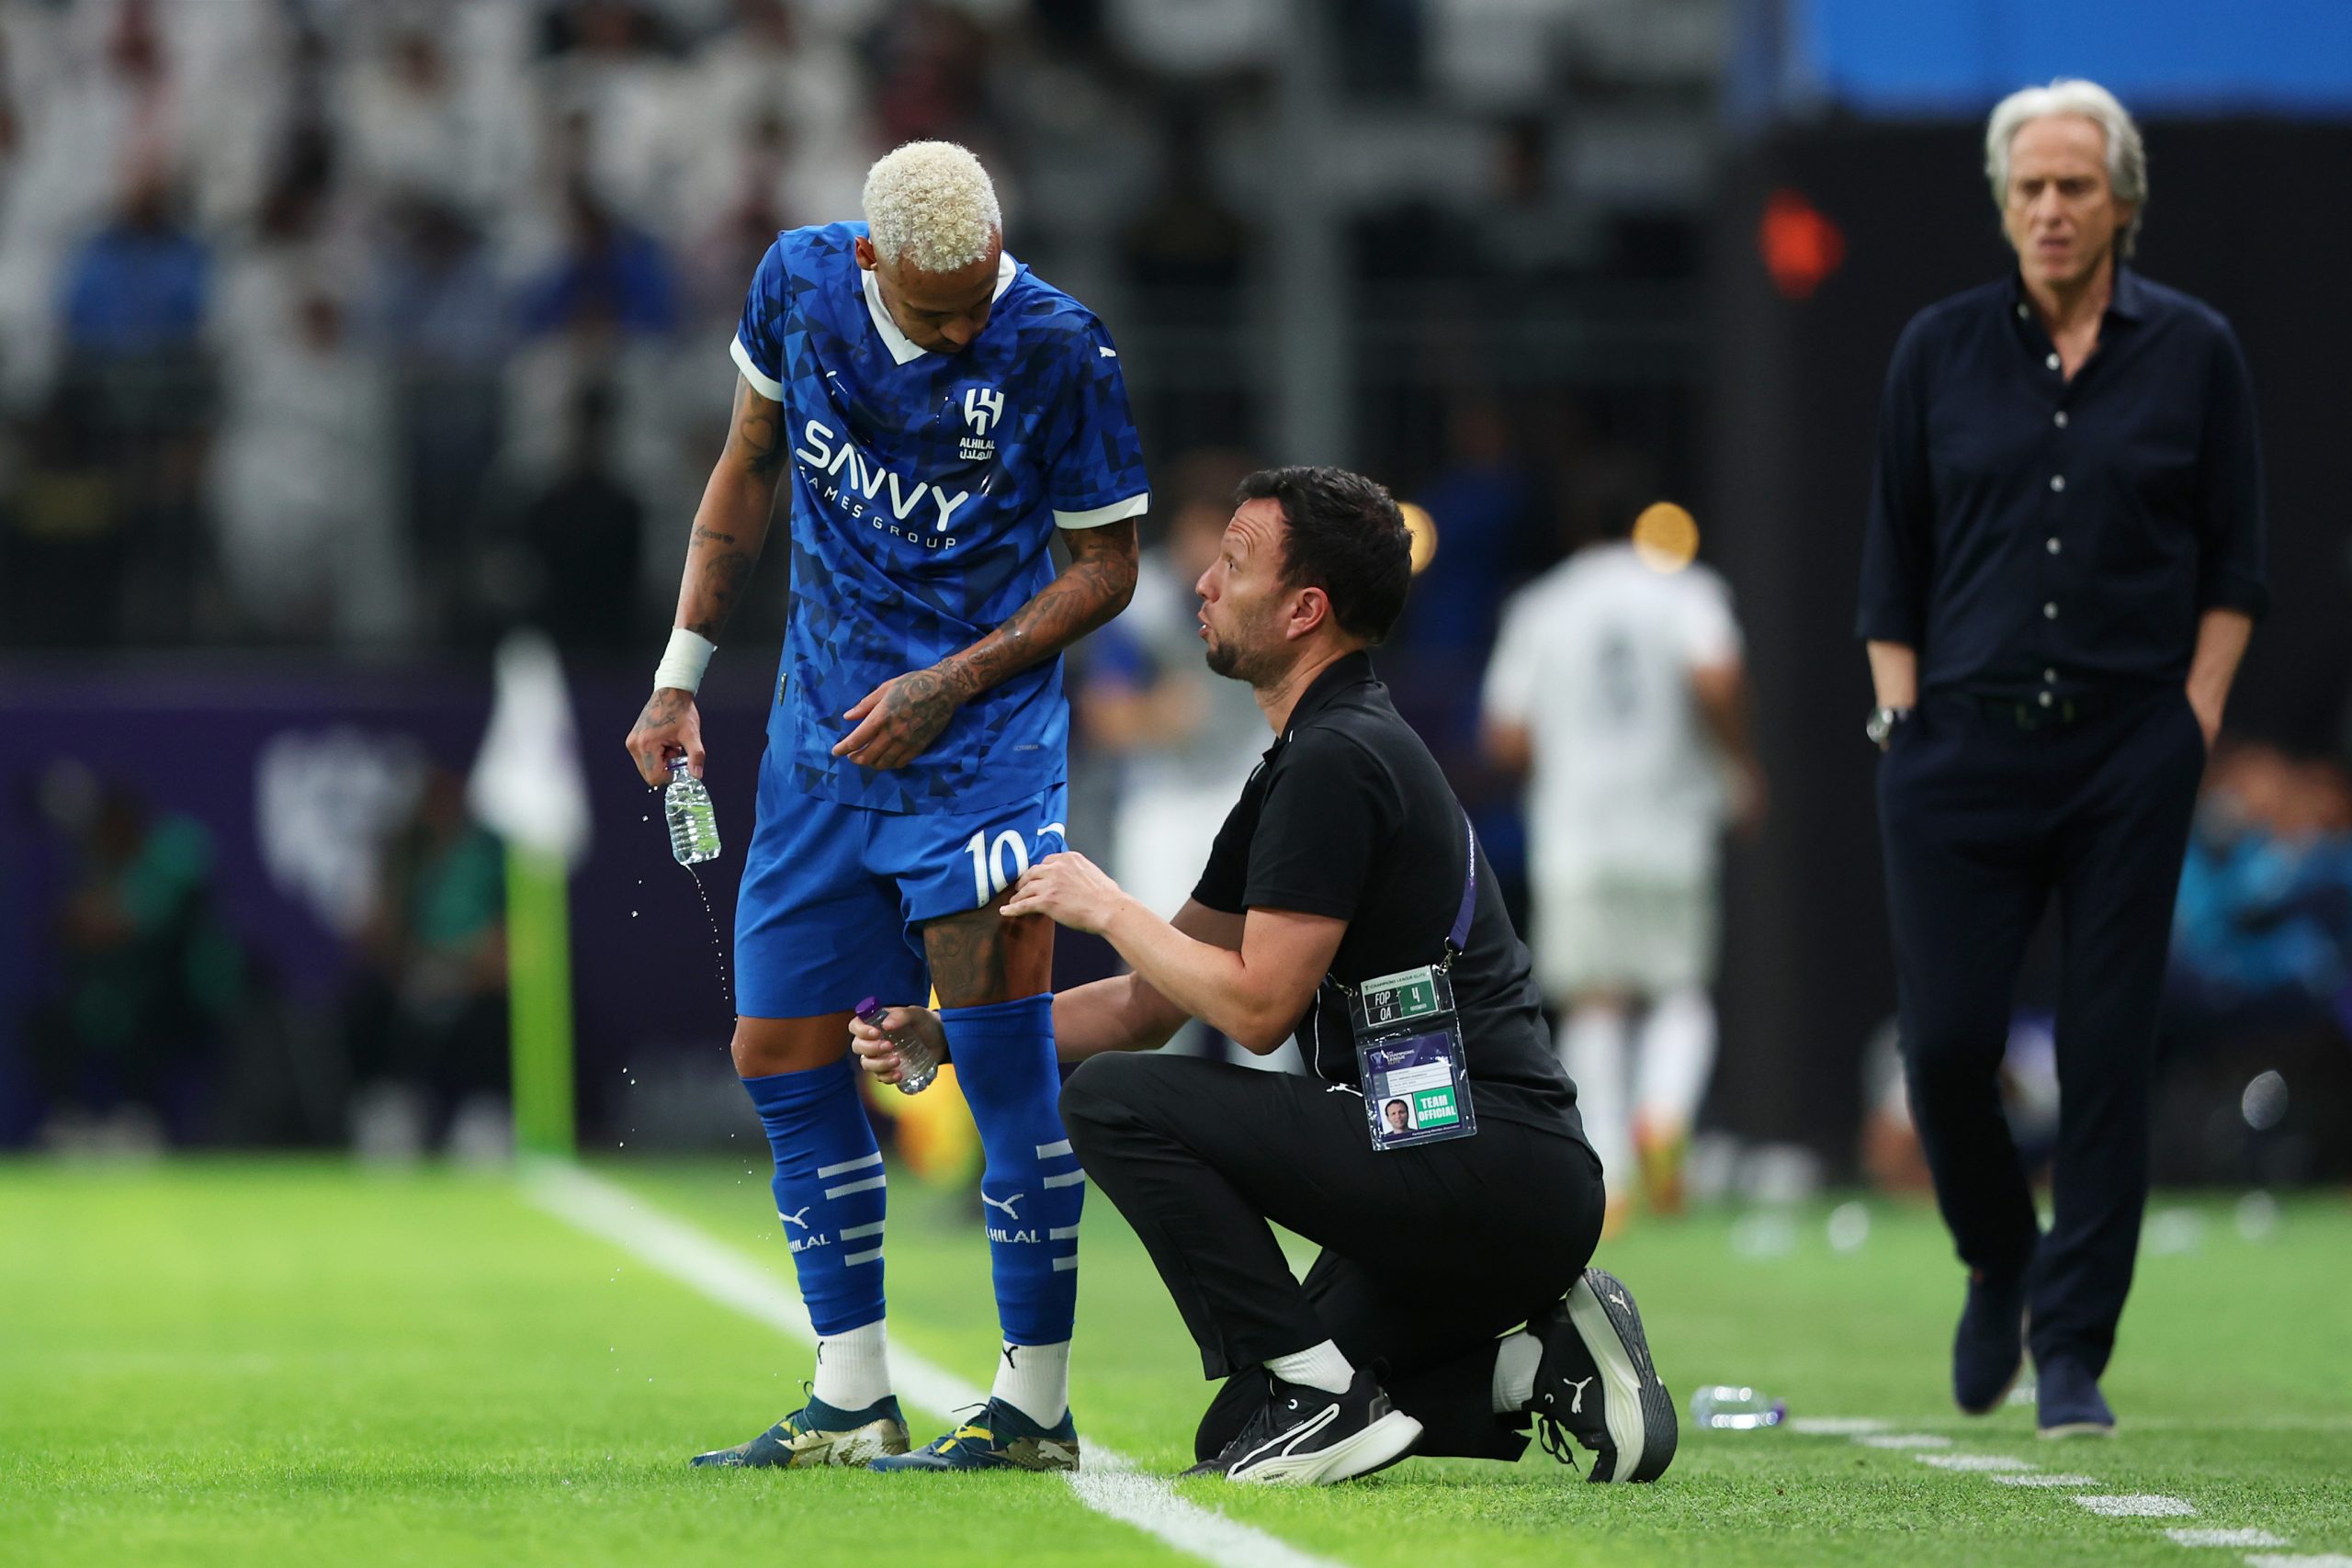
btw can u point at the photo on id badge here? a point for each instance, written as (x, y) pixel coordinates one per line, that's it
(1408, 1054)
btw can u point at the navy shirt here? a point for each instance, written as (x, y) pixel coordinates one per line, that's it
(2031, 533)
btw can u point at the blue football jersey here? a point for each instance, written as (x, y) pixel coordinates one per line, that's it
(925, 491)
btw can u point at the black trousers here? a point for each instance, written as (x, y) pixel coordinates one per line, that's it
(1429, 1253)
(1984, 821)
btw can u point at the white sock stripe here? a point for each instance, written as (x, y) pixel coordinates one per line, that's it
(1047, 1151)
(869, 1186)
(851, 1258)
(1067, 1179)
(1062, 1233)
(851, 1233)
(825, 1170)
(1064, 1265)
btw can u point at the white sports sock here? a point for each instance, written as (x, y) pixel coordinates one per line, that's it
(1676, 1053)
(853, 1369)
(1516, 1359)
(1317, 1366)
(1035, 1380)
(1592, 1048)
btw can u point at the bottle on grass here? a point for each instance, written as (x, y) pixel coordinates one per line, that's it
(1726, 1408)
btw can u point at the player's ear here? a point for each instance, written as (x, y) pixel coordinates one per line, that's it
(862, 248)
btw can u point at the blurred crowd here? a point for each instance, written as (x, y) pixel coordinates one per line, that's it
(324, 321)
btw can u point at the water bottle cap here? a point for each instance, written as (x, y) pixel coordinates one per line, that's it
(678, 765)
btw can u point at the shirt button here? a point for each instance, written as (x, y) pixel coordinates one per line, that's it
(2049, 611)
(2020, 313)
(2057, 481)
(2061, 418)
(2050, 677)
(2051, 362)
(2045, 699)
(2052, 545)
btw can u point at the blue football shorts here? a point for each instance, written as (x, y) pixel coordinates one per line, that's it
(832, 893)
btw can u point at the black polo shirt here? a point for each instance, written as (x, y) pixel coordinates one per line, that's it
(2029, 533)
(1349, 816)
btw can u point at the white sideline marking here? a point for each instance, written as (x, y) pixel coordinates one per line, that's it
(1837, 1426)
(2225, 1538)
(2047, 1480)
(1904, 1441)
(2297, 1560)
(1972, 1461)
(2136, 1505)
(1109, 1485)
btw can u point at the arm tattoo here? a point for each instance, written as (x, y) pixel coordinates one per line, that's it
(719, 561)
(759, 429)
(1100, 582)
(722, 575)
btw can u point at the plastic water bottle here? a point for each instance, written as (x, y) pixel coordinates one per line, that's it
(918, 1064)
(1728, 1409)
(693, 824)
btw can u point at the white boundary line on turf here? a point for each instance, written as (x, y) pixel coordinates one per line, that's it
(1109, 1485)
(1871, 1431)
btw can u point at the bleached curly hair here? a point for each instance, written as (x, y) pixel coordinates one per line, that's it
(931, 204)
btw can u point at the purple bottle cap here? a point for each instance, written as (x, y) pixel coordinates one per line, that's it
(870, 1009)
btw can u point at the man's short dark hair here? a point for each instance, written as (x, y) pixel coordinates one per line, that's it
(1343, 533)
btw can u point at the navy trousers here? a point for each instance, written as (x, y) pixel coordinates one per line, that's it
(1987, 813)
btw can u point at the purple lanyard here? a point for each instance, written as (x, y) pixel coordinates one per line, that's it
(1457, 940)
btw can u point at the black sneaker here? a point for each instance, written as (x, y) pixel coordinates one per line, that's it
(1988, 1349)
(1307, 1437)
(1596, 1383)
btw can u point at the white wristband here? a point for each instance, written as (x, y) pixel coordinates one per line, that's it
(683, 660)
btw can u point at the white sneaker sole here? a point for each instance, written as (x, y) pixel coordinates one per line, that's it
(1377, 1447)
(1639, 1411)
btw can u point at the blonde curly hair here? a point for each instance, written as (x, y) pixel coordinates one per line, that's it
(931, 204)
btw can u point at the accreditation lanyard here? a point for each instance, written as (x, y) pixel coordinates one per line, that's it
(1409, 1041)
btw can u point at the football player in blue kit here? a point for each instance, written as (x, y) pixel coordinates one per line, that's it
(944, 414)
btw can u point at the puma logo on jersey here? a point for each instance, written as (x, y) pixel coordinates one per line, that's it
(858, 481)
(1106, 352)
(800, 1219)
(1006, 1204)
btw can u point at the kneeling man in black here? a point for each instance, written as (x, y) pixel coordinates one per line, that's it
(1432, 1150)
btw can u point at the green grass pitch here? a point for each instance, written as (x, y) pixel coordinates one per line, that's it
(239, 1362)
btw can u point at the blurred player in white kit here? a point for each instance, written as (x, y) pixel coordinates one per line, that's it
(1616, 688)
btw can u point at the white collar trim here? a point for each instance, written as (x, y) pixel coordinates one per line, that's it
(902, 347)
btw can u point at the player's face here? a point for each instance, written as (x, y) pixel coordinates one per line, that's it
(2061, 213)
(1241, 594)
(939, 311)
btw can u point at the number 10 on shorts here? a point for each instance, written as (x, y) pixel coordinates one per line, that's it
(990, 864)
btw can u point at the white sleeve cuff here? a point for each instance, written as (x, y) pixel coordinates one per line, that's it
(761, 382)
(1095, 516)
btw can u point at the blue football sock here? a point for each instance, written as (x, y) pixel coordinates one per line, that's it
(1031, 1187)
(829, 1190)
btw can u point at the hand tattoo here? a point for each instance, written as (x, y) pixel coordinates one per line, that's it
(912, 711)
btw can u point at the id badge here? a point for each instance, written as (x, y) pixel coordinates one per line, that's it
(1409, 1059)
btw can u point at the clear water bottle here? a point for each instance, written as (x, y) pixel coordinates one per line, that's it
(1725, 1408)
(693, 824)
(918, 1064)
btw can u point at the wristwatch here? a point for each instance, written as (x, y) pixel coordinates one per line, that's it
(1881, 728)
